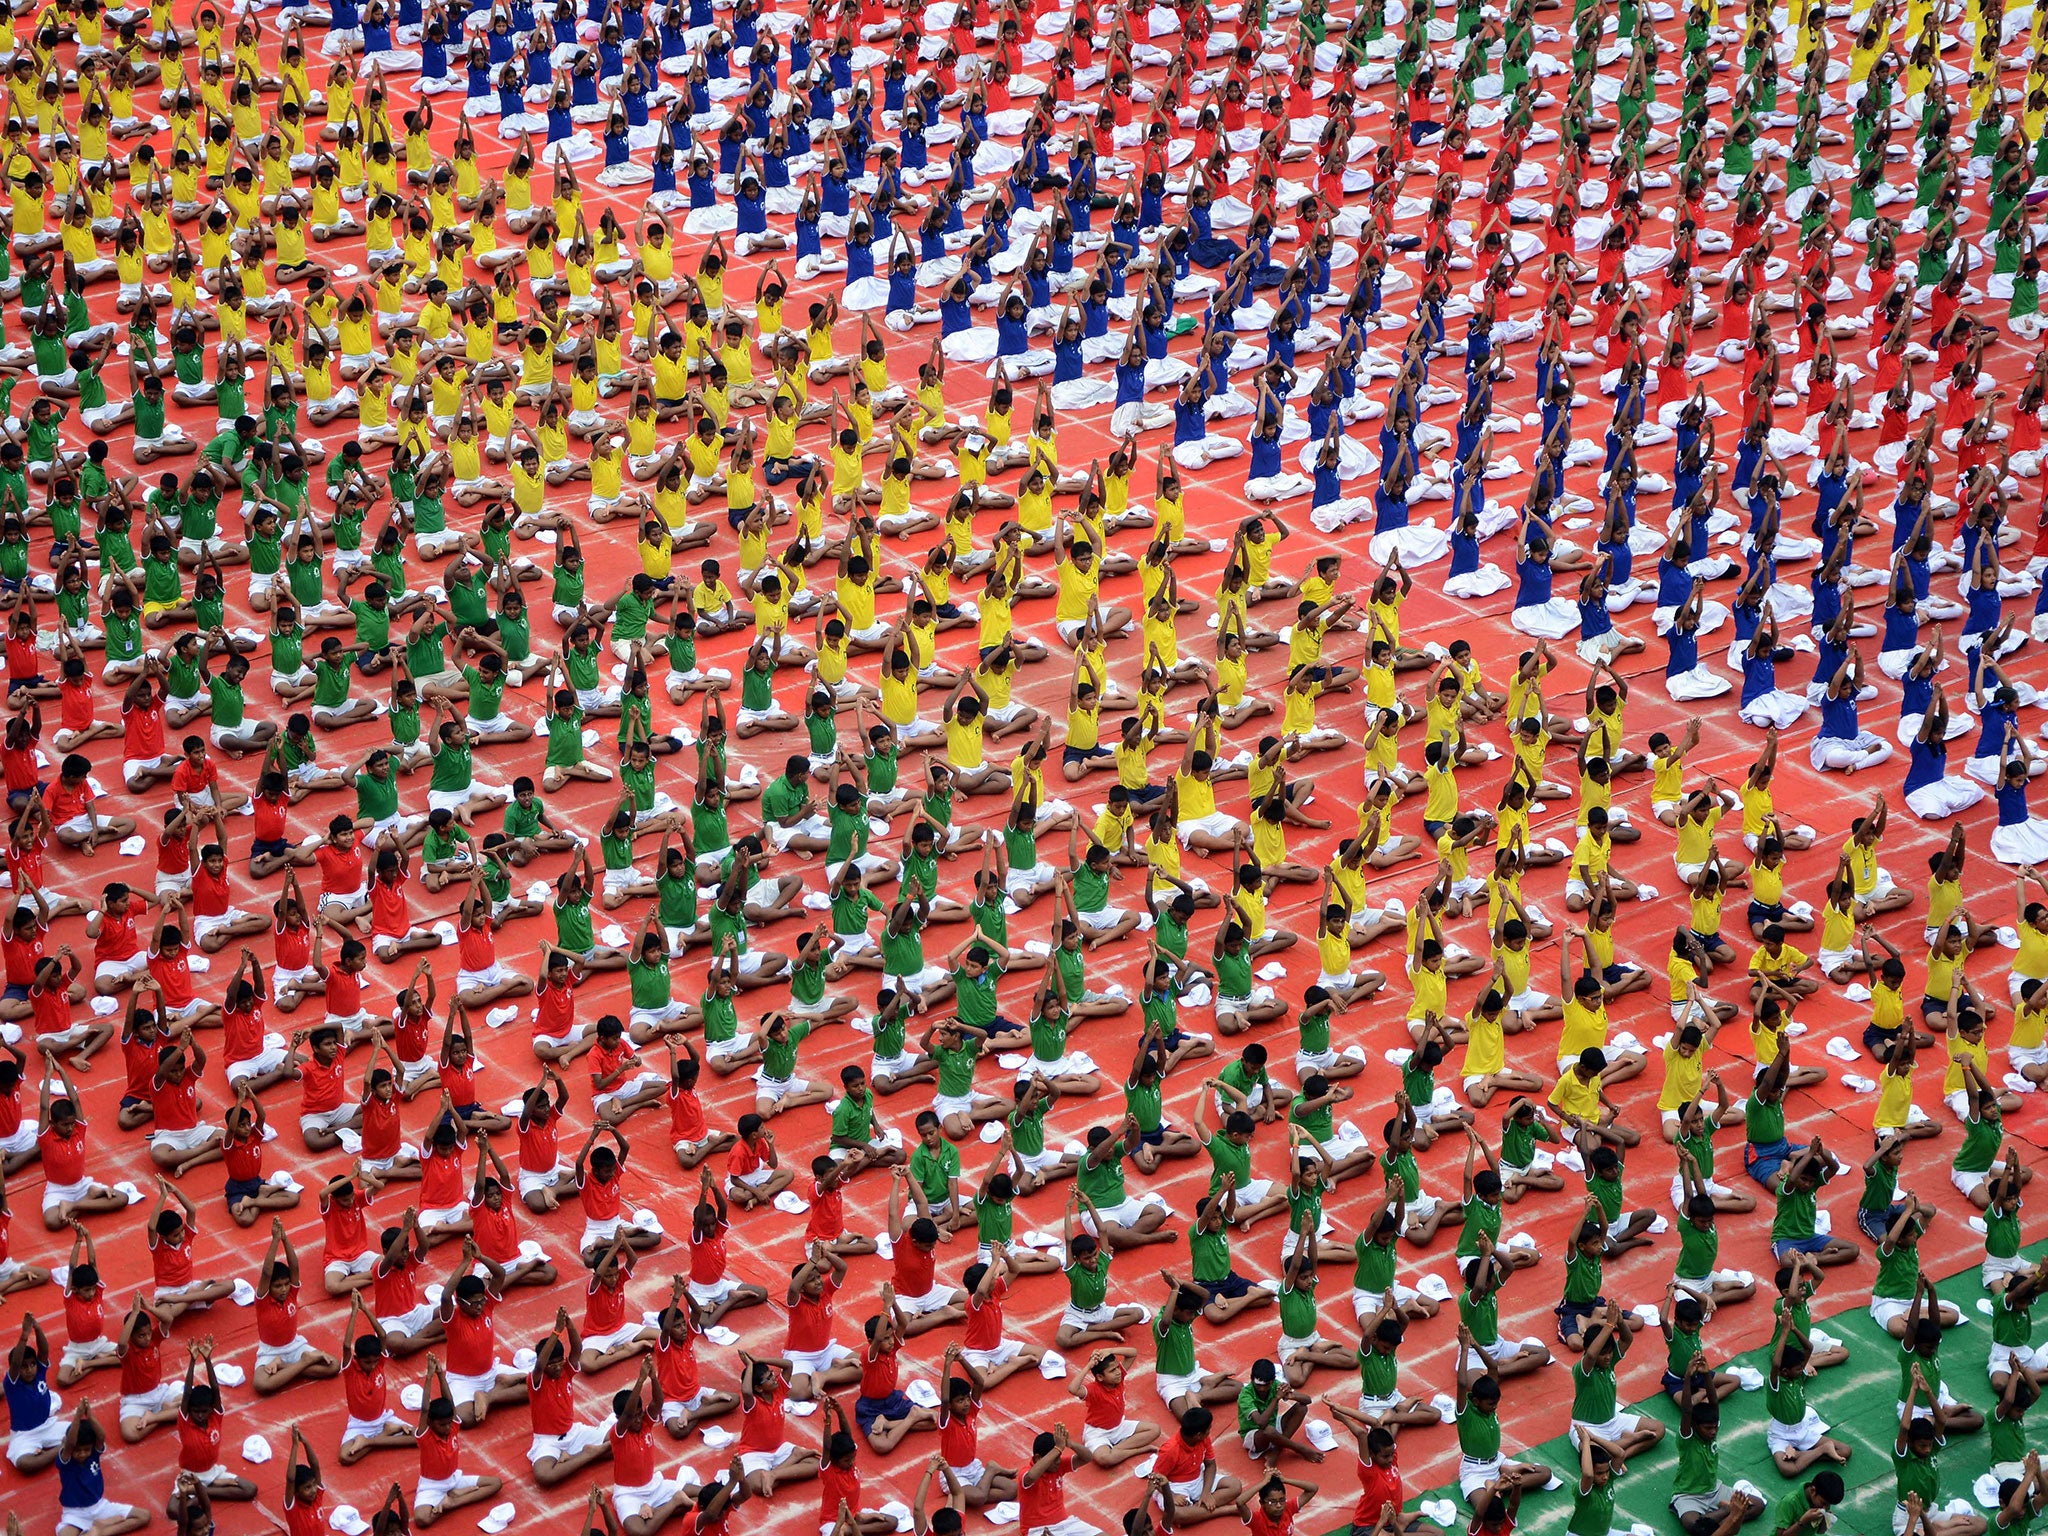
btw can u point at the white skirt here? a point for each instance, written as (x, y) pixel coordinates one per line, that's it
(1484, 582)
(1945, 797)
(1552, 620)
(1777, 708)
(2023, 843)
(1419, 544)
(1702, 682)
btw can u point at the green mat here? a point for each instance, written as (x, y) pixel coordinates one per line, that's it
(1858, 1399)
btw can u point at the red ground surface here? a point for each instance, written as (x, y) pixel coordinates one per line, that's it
(767, 1245)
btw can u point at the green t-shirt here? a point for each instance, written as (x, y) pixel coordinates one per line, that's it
(1088, 1284)
(1103, 1182)
(376, 799)
(1209, 1255)
(572, 925)
(1173, 1345)
(1913, 1474)
(956, 1068)
(1796, 1212)
(1699, 1466)
(1227, 1157)
(778, 1057)
(373, 624)
(853, 1118)
(935, 1172)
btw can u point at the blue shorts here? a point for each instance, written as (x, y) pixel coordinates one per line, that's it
(1763, 1162)
(269, 847)
(16, 684)
(1572, 1316)
(15, 993)
(1229, 1288)
(1083, 754)
(1788, 1245)
(241, 1189)
(1766, 912)
(868, 1409)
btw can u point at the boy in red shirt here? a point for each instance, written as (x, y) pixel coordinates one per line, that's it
(283, 1354)
(443, 1485)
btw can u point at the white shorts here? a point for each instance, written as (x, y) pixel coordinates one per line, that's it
(264, 1062)
(580, 1438)
(1216, 824)
(163, 1396)
(189, 1140)
(1173, 1388)
(765, 1461)
(56, 1196)
(1094, 1438)
(989, 1359)
(633, 1501)
(84, 1517)
(46, 1436)
(433, 1492)
(937, 1299)
(817, 1361)
(136, 965)
(466, 1389)
(1803, 1436)
(344, 1269)
(284, 1354)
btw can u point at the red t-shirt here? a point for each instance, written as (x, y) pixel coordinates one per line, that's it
(341, 868)
(277, 1322)
(675, 1367)
(761, 1426)
(364, 1389)
(836, 1487)
(985, 1319)
(1043, 1501)
(554, 1401)
(22, 954)
(440, 1455)
(116, 939)
(1377, 1487)
(63, 1156)
(1179, 1462)
(1284, 1526)
(142, 1366)
(199, 1446)
(958, 1434)
(633, 1456)
(810, 1321)
(348, 1228)
(472, 1341)
(1103, 1407)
